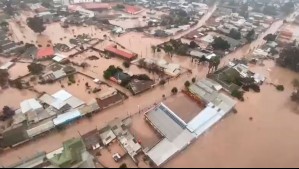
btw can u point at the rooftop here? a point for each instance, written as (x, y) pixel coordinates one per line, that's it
(45, 52)
(114, 50)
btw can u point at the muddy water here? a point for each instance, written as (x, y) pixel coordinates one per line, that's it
(269, 140)
(234, 142)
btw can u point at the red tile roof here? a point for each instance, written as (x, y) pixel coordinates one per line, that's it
(45, 52)
(95, 6)
(121, 53)
(133, 9)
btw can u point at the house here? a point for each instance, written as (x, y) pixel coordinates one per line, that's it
(134, 10)
(120, 77)
(125, 138)
(73, 154)
(106, 135)
(139, 86)
(112, 100)
(170, 69)
(197, 54)
(92, 140)
(99, 7)
(30, 105)
(112, 50)
(47, 16)
(14, 136)
(45, 53)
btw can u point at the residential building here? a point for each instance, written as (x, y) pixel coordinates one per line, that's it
(112, 50)
(73, 154)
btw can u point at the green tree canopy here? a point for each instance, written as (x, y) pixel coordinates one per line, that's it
(36, 24)
(35, 68)
(220, 44)
(235, 34)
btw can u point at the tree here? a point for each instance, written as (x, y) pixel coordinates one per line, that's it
(193, 45)
(4, 24)
(174, 90)
(35, 68)
(119, 7)
(18, 84)
(187, 84)
(250, 35)
(235, 34)
(36, 24)
(124, 165)
(3, 77)
(288, 7)
(280, 87)
(126, 64)
(296, 83)
(168, 49)
(270, 37)
(220, 44)
(238, 94)
(154, 48)
(193, 80)
(162, 82)
(214, 63)
(289, 58)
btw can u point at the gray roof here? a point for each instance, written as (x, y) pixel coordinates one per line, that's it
(165, 122)
(203, 90)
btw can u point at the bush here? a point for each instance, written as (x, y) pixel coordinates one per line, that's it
(72, 78)
(187, 84)
(174, 90)
(193, 80)
(238, 94)
(280, 87)
(126, 64)
(162, 82)
(124, 165)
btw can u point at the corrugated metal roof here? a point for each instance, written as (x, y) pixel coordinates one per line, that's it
(63, 118)
(30, 105)
(62, 95)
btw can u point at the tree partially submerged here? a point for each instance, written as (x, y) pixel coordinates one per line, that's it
(3, 78)
(235, 34)
(35, 68)
(36, 24)
(174, 90)
(220, 44)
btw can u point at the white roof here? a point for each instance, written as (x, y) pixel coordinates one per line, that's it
(162, 152)
(48, 99)
(59, 57)
(45, 126)
(205, 120)
(58, 104)
(59, 74)
(7, 65)
(62, 118)
(62, 95)
(165, 149)
(74, 102)
(30, 105)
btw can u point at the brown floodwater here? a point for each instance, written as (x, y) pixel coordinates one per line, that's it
(270, 139)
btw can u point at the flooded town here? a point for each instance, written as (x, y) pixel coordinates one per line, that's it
(149, 83)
